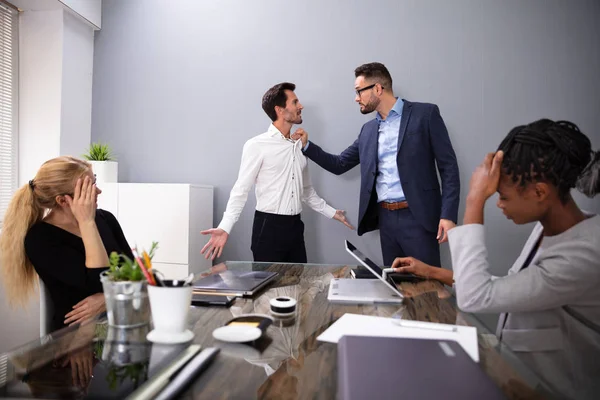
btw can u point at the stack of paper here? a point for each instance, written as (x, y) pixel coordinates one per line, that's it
(366, 325)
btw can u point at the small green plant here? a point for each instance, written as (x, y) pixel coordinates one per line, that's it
(123, 268)
(101, 332)
(99, 152)
(137, 373)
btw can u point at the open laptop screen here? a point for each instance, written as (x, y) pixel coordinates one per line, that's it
(370, 265)
(357, 253)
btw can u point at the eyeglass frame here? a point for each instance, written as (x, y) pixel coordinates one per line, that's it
(359, 91)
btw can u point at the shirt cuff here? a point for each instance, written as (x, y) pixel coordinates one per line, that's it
(226, 225)
(306, 147)
(329, 211)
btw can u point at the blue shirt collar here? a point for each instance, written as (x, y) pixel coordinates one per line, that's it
(397, 109)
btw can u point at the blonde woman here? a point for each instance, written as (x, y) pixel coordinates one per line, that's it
(53, 229)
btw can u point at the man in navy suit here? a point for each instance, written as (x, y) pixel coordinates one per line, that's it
(398, 152)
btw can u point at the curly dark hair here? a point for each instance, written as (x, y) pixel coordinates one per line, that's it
(552, 151)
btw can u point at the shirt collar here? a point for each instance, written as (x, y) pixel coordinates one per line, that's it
(397, 109)
(272, 131)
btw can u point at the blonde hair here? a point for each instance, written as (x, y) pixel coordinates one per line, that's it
(28, 206)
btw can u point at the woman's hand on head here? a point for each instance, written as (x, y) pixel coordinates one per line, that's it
(83, 202)
(485, 178)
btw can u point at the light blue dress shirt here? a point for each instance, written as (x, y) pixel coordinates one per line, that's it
(388, 184)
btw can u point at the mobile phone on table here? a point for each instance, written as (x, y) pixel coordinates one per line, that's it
(212, 300)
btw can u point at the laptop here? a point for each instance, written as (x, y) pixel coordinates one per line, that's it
(364, 291)
(233, 283)
(402, 368)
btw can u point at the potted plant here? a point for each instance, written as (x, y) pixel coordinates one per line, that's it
(125, 286)
(103, 162)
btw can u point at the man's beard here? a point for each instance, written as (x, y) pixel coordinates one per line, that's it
(295, 121)
(369, 107)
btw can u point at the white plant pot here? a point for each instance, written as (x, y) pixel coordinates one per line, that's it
(106, 171)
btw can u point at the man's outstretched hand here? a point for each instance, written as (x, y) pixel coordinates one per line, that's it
(214, 247)
(340, 215)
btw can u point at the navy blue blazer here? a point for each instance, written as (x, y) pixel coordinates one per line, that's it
(423, 141)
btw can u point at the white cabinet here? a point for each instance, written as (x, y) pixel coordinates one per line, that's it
(109, 198)
(169, 213)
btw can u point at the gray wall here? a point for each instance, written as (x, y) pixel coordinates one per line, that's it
(177, 88)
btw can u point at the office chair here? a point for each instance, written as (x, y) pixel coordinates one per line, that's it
(46, 310)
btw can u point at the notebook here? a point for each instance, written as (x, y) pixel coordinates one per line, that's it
(236, 283)
(400, 368)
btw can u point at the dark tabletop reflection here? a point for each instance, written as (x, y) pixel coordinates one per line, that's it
(96, 361)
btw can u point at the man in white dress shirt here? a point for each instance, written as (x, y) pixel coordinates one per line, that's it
(275, 164)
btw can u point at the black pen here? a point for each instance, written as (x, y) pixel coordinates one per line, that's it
(152, 387)
(189, 372)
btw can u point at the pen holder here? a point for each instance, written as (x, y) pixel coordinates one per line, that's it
(126, 302)
(170, 307)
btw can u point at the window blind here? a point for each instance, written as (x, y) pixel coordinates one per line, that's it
(8, 105)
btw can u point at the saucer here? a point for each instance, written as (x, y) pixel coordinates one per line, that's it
(237, 334)
(170, 338)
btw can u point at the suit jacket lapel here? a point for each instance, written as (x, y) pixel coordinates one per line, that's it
(406, 110)
(517, 266)
(527, 249)
(372, 141)
(500, 326)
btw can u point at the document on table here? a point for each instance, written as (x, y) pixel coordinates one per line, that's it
(366, 325)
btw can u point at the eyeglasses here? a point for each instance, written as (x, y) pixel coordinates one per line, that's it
(359, 91)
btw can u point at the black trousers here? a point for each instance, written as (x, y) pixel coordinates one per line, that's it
(278, 238)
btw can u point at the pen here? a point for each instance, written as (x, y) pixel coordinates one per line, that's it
(419, 325)
(187, 373)
(151, 388)
(145, 272)
(147, 260)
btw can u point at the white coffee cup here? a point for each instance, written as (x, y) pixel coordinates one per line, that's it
(170, 307)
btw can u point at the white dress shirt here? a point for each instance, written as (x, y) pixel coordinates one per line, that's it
(279, 170)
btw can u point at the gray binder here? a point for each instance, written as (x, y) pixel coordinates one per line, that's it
(399, 368)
